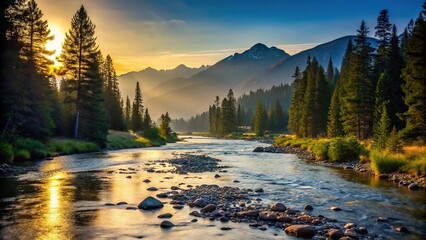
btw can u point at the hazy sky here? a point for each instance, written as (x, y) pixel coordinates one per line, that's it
(165, 33)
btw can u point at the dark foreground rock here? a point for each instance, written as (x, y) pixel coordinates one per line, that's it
(166, 224)
(150, 203)
(300, 230)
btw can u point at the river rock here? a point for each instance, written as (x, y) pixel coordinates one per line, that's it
(335, 233)
(121, 203)
(300, 230)
(195, 214)
(162, 195)
(109, 204)
(279, 207)
(336, 209)
(382, 219)
(258, 149)
(305, 218)
(217, 176)
(383, 176)
(178, 206)
(285, 219)
(308, 207)
(250, 213)
(413, 186)
(175, 188)
(194, 220)
(225, 228)
(150, 203)
(350, 225)
(209, 208)
(150, 170)
(152, 189)
(131, 208)
(146, 181)
(200, 202)
(165, 215)
(166, 224)
(350, 233)
(259, 190)
(268, 216)
(402, 229)
(362, 230)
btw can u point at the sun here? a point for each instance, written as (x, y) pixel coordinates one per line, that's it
(55, 44)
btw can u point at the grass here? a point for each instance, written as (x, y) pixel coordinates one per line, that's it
(37, 149)
(65, 146)
(120, 140)
(6, 152)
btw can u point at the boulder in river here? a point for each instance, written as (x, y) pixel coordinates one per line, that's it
(259, 190)
(335, 233)
(336, 209)
(150, 203)
(258, 149)
(413, 186)
(308, 207)
(165, 215)
(166, 224)
(300, 230)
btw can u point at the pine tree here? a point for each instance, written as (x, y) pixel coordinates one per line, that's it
(414, 86)
(299, 88)
(393, 143)
(330, 73)
(383, 33)
(382, 130)
(80, 58)
(334, 124)
(112, 95)
(147, 122)
(128, 113)
(232, 115)
(358, 100)
(137, 110)
(165, 130)
(259, 120)
(239, 116)
(383, 96)
(277, 120)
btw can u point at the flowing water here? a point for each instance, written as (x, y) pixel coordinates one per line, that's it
(65, 198)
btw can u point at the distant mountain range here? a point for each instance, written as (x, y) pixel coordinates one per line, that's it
(184, 91)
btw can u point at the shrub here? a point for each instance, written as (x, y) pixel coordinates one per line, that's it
(36, 148)
(6, 152)
(383, 162)
(321, 150)
(22, 155)
(417, 167)
(344, 149)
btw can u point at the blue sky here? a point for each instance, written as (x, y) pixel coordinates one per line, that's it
(165, 33)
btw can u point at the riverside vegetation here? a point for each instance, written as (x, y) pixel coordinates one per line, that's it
(40, 116)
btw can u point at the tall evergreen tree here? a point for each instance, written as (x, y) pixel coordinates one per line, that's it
(259, 120)
(137, 110)
(414, 86)
(80, 59)
(330, 73)
(358, 101)
(383, 33)
(112, 95)
(334, 124)
(128, 113)
(383, 96)
(299, 87)
(147, 122)
(239, 116)
(165, 129)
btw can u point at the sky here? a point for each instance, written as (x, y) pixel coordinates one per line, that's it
(165, 33)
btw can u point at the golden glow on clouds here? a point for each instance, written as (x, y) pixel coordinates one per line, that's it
(135, 44)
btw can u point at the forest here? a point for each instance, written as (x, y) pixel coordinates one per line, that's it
(43, 105)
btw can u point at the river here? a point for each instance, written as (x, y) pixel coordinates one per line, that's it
(65, 198)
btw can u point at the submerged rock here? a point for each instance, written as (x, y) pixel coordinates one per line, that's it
(279, 207)
(150, 203)
(258, 149)
(165, 215)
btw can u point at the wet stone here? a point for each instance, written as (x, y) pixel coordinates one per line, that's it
(402, 229)
(259, 190)
(336, 209)
(300, 230)
(162, 195)
(121, 203)
(165, 215)
(166, 224)
(150, 203)
(308, 207)
(178, 206)
(152, 189)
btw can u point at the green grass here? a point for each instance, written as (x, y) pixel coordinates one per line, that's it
(65, 146)
(22, 155)
(121, 140)
(36, 148)
(383, 162)
(6, 152)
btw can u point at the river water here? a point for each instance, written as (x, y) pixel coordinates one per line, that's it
(65, 198)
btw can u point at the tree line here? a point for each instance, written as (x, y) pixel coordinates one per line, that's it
(86, 101)
(272, 100)
(375, 91)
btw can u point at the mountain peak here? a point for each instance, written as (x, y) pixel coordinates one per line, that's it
(260, 51)
(181, 67)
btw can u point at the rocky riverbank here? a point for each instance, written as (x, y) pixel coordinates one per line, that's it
(401, 179)
(245, 206)
(189, 163)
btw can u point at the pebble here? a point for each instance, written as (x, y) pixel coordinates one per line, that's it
(382, 219)
(150, 203)
(413, 186)
(178, 206)
(217, 176)
(150, 170)
(109, 204)
(194, 220)
(165, 215)
(131, 208)
(121, 203)
(335, 233)
(152, 189)
(147, 181)
(336, 209)
(402, 229)
(362, 230)
(259, 190)
(208, 208)
(225, 228)
(200, 203)
(300, 230)
(129, 177)
(279, 207)
(162, 195)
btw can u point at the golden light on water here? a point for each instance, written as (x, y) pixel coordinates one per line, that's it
(56, 43)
